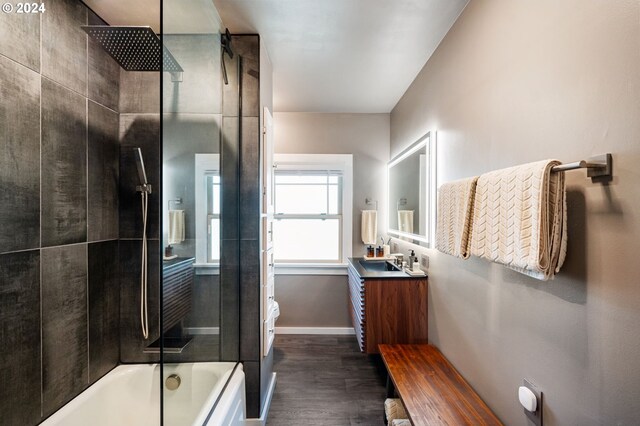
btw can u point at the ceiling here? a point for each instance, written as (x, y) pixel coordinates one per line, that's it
(327, 55)
(343, 55)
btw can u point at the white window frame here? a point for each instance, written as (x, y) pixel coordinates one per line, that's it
(344, 164)
(205, 164)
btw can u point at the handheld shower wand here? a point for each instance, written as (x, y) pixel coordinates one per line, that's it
(144, 189)
(142, 173)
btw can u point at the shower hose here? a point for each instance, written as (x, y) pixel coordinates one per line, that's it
(144, 317)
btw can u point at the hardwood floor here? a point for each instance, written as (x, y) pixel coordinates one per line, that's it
(326, 381)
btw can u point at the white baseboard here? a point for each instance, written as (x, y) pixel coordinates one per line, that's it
(315, 330)
(262, 421)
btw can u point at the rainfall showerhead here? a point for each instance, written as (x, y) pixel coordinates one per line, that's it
(134, 48)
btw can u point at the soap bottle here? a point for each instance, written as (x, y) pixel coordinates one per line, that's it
(412, 256)
(370, 251)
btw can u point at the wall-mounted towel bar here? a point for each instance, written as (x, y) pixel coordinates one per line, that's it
(599, 166)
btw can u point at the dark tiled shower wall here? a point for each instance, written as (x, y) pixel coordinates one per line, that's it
(244, 196)
(59, 298)
(139, 127)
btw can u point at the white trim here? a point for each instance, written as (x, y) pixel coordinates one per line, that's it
(316, 330)
(262, 421)
(207, 268)
(203, 163)
(343, 162)
(311, 268)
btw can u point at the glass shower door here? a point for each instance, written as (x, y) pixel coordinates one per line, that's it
(192, 187)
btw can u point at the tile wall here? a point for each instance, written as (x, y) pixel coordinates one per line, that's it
(59, 155)
(139, 127)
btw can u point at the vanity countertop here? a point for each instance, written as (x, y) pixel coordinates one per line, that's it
(376, 269)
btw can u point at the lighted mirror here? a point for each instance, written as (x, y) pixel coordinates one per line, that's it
(411, 192)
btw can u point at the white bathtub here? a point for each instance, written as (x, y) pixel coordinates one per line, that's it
(129, 395)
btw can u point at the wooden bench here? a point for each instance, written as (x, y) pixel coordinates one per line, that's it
(432, 391)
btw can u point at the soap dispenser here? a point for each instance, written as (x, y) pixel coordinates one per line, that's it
(412, 256)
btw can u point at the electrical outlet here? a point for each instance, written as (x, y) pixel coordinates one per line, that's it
(536, 416)
(424, 262)
(394, 247)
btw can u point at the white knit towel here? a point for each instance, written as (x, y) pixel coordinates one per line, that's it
(520, 217)
(455, 216)
(394, 410)
(176, 226)
(369, 226)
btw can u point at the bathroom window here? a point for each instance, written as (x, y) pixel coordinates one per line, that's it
(312, 200)
(207, 212)
(213, 217)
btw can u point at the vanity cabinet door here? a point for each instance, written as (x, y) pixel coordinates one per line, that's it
(395, 312)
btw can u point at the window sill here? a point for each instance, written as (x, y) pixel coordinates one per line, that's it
(311, 268)
(207, 268)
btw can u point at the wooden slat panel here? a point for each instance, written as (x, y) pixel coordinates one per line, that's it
(432, 391)
(177, 282)
(356, 311)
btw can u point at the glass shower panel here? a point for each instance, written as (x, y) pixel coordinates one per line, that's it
(192, 117)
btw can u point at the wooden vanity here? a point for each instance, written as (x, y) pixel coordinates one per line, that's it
(386, 306)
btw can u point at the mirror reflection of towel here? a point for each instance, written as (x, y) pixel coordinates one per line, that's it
(405, 221)
(176, 226)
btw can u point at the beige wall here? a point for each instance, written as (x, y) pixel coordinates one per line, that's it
(514, 82)
(321, 301)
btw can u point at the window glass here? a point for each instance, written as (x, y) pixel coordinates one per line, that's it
(308, 225)
(213, 217)
(301, 199)
(214, 238)
(307, 240)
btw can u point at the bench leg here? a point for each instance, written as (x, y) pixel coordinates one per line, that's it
(391, 391)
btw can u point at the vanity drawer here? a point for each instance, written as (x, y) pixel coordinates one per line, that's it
(267, 232)
(268, 296)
